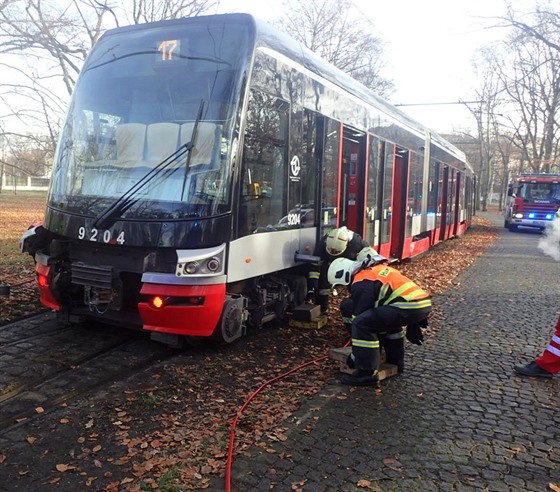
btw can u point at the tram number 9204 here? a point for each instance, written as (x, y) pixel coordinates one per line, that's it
(100, 236)
(294, 219)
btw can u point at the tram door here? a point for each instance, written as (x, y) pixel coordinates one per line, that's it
(394, 194)
(352, 180)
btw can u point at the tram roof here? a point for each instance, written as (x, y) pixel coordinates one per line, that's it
(277, 40)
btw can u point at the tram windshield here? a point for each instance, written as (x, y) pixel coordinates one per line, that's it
(142, 95)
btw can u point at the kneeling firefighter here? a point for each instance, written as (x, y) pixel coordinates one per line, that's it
(382, 301)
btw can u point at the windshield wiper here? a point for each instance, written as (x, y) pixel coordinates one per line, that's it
(128, 199)
(193, 139)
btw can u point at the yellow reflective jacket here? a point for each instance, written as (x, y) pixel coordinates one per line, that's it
(389, 287)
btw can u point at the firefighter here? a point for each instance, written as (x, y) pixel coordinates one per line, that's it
(392, 341)
(337, 243)
(548, 363)
(383, 300)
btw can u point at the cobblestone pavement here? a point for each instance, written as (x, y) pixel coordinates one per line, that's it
(458, 418)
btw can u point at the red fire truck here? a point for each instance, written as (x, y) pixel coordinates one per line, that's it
(532, 201)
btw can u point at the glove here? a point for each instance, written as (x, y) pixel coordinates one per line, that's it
(311, 297)
(414, 334)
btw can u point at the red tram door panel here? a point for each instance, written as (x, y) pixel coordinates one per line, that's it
(352, 182)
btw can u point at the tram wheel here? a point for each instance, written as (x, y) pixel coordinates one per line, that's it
(230, 327)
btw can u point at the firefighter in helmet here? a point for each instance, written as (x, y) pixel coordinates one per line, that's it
(392, 341)
(337, 243)
(383, 301)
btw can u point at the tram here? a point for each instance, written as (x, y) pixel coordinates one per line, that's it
(202, 158)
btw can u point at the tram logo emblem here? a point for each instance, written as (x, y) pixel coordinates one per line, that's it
(295, 166)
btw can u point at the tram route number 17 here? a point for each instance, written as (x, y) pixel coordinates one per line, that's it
(100, 236)
(168, 48)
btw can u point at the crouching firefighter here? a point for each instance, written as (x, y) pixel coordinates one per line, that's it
(342, 243)
(382, 301)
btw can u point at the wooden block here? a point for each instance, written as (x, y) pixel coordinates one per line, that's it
(385, 370)
(340, 354)
(307, 312)
(319, 323)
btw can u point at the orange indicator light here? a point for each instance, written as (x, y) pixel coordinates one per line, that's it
(157, 302)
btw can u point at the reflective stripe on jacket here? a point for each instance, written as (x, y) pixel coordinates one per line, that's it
(396, 289)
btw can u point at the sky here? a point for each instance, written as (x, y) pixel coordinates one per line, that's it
(428, 48)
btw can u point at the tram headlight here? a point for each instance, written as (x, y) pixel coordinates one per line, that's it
(214, 264)
(192, 267)
(201, 263)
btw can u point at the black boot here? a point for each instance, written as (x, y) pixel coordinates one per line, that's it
(324, 303)
(394, 352)
(532, 369)
(361, 378)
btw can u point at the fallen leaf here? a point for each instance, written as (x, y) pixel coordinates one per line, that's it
(30, 439)
(365, 484)
(39, 409)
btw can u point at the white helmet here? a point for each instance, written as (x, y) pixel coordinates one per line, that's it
(341, 271)
(369, 257)
(337, 241)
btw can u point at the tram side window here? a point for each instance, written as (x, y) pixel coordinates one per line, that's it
(451, 200)
(264, 170)
(309, 169)
(330, 176)
(461, 211)
(433, 196)
(372, 206)
(414, 204)
(387, 210)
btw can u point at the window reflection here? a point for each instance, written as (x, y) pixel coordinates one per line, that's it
(263, 193)
(330, 175)
(414, 203)
(372, 208)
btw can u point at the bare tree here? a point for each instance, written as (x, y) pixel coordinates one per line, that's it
(530, 73)
(153, 10)
(333, 30)
(42, 48)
